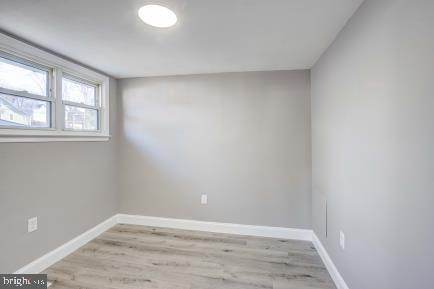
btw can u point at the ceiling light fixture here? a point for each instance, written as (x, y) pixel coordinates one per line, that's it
(157, 16)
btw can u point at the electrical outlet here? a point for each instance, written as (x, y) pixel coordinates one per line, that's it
(32, 224)
(204, 199)
(342, 240)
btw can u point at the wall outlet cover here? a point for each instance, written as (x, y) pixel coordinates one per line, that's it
(32, 224)
(342, 240)
(204, 199)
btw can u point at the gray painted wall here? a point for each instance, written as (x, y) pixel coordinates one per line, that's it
(69, 186)
(241, 138)
(373, 146)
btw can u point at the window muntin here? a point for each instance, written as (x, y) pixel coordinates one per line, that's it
(23, 79)
(23, 112)
(80, 118)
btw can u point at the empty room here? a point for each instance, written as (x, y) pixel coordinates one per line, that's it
(217, 144)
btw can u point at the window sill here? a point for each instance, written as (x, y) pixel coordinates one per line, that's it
(76, 138)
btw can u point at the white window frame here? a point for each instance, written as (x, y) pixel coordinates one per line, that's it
(96, 107)
(57, 66)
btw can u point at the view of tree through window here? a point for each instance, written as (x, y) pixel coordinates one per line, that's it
(21, 77)
(79, 118)
(25, 112)
(21, 85)
(78, 92)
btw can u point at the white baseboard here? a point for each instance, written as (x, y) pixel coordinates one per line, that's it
(333, 271)
(250, 230)
(61, 252)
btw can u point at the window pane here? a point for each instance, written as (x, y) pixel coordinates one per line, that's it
(21, 77)
(79, 118)
(23, 112)
(78, 92)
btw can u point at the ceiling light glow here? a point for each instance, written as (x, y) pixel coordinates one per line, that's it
(157, 16)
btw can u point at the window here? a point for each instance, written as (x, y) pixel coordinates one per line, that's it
(44, 97)
(81, 104)
(25, 101)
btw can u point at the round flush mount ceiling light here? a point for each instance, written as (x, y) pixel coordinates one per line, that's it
(157, 16)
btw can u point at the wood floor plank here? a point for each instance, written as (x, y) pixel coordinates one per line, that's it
(129, 256)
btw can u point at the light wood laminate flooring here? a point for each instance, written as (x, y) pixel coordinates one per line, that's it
(139, 257)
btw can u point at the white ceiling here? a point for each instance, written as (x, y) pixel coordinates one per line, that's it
(210, 36)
